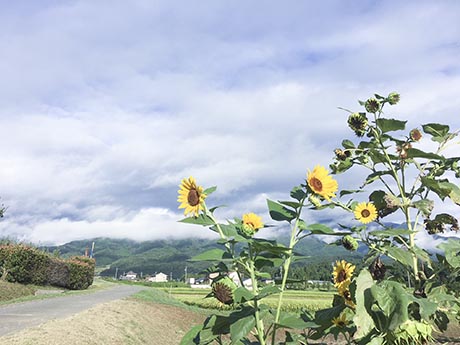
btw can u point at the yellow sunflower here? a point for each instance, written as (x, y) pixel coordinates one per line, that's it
(321, 183)
(342, 274)
(251, 223)
(191, 196)
(365, 212)
(340, 321)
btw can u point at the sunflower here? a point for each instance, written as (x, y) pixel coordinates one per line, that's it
(365, 212)
(342, 275)
(321, 183)
(340, 321)
(251, 223)
(191, 196)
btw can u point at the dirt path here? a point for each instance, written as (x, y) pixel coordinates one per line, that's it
(16, 317)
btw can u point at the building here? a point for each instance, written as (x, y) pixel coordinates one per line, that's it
(129, 276)
(158, 278)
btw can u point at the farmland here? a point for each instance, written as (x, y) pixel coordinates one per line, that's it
(294, 300)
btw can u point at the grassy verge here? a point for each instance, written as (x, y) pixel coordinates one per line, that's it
(15, 293)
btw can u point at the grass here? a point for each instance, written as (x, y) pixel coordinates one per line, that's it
(15, 293)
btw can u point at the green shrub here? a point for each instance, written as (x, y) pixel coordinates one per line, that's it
(81, 272)
(23, 264)
(58, 272)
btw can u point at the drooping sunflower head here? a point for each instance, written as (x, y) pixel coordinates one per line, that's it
(415, 134)
(342, 273)
(340, 321)
(223, 290)
(191, 197)
(321, 183)
(365, 212)
(251, 224)
(358, 123)
(342, 155)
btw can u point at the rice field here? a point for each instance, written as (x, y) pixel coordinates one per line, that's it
(293, 300)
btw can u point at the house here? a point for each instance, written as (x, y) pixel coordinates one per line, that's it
(129, 276)
(158, 278)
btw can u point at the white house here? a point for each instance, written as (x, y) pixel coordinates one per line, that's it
(129, 276)
(158, 278)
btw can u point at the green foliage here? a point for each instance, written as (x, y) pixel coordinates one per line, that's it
(380, 306)
(28, 265)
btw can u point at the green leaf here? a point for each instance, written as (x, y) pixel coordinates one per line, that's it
(400, 255)
(425, 206)
(347, 144)
(436, 130)
(209, 190)
(349, 191)
(241, 326)
(267, 291)
(189, 337)
(391, 232)
(394, 301)
(375, 176)
(362, 319)
(388, 125)
(452, 251)
(279, 212)
(212, 255)
(202, 219)
(242, 295)
(298, 193)
(289, 320)
(292, 204)
(442, 189)
(416, 153)
(321, 229)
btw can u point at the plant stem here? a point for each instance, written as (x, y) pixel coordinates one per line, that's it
(255, 290)
(286, 266)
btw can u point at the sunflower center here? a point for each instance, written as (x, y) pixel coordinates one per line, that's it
(341, 324)
(316, 184)
(193, 198)
(365, 213)
(342, 276)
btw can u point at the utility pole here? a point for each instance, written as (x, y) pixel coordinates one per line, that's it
(185, 274)
(116, 273)
(170, 277)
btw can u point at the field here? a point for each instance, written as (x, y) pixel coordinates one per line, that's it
(293, 300)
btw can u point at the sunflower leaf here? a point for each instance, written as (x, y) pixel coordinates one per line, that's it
(279, 212)
(388, 125)
(201, 219)
(210, 190)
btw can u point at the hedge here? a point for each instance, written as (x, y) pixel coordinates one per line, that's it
(25, 264)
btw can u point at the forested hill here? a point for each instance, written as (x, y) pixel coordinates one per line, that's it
(170, 256)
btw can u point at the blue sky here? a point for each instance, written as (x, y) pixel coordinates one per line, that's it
(105, 106)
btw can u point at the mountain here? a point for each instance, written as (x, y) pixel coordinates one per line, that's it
(170, 256)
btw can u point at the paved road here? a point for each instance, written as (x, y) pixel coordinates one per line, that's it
(15, 317)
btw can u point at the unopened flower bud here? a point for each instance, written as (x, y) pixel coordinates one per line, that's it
(377, 269)
(372, 105)
(342, 154)
(358, 123)
(314, 200)
(349, 243)
(393, 98)
(415, 134)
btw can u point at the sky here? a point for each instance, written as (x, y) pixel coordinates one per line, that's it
(106, 105)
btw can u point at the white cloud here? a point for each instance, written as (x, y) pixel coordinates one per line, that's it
(106, 106)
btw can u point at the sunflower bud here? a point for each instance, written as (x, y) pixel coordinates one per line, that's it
(342, 155)
(393, 98)
(377, 269)
(314, 200)
(358, 123)
(223, 290)
(372, 105)
(402, 150)
(391, 201)
(415, 134)
(349, 243)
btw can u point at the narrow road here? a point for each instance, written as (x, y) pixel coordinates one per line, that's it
(16, 317)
